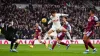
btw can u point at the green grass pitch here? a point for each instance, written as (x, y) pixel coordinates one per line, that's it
(40, 50)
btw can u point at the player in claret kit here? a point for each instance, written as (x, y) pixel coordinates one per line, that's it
(89, 30)
(37, 35)
(67, 26)
(60, 36)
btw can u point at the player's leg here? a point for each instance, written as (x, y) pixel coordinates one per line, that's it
(48, 34)
(89, 42)
(7, 36)
(62, 43)
(16, 45)
(53, 35)
(39, 39)
(91, 46)
(85, 40)
(67, 33)
(50, 31)
(31, 46)
(54, 44)
(11, 45)
(33, 41)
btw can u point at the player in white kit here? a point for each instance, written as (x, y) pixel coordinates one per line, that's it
(55, 19)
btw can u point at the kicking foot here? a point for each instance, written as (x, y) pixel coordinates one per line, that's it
(11, 50)
(67, 46)
(50, 48)
(14, 50)
(86, 52)
(94, 51)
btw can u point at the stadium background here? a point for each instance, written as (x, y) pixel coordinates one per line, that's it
(25, 13)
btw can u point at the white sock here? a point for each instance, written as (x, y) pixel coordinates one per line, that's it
(94, 49)
(87, 49)
(68, 34)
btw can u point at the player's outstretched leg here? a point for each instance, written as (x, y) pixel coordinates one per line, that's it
(91, 46)
(16, 45)
(53, 46)
(67, 33)
(67, 45)
(11, 45)
(85, 40)
(86, 46)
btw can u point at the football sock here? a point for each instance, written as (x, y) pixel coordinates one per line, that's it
(86, 44)
(90, 45)
(16, 45)
(12, 43)
(33, 43)
(68, 34)
(54, 44)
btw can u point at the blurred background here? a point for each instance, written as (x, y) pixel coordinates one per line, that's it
(25, 13)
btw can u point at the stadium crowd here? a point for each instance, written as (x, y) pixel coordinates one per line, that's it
(25, 18)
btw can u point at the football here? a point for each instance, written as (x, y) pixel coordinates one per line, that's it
(44, 20)
(31, 46)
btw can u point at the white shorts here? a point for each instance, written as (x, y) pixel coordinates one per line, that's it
(54, 28)
(88, 33)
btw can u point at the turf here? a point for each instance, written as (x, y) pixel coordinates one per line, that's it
(40, 50)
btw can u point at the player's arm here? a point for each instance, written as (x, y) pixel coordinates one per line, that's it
(50, 21)
(61, 14)
(97, 21)
(69, 26)
(40, 30)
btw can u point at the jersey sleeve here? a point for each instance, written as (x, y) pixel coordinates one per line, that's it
(49, 21)
(66, 23)
(69, 26)
(96, 18)
(40, 28)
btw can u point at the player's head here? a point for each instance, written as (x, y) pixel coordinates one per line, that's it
(64, 18)
(53, 13)
(92, 11)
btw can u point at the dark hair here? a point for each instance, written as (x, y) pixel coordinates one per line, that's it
(65, 17)
(92, 10)
(53, 11)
